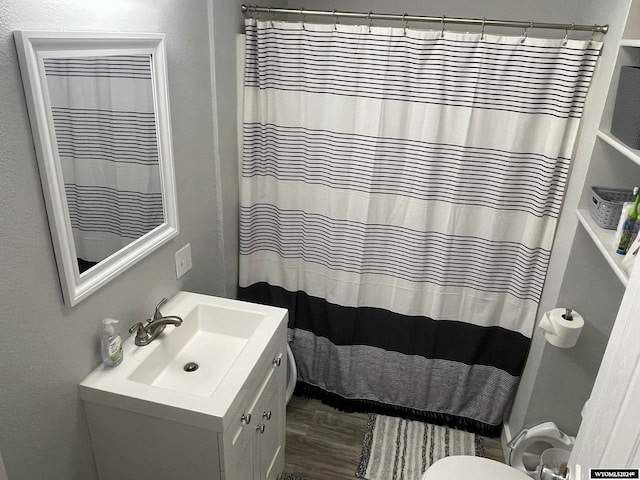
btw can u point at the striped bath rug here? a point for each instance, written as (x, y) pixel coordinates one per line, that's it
(398, 449)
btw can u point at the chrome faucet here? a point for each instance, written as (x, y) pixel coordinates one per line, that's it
(149, 331)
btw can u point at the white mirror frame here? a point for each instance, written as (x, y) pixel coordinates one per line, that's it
(32, 48)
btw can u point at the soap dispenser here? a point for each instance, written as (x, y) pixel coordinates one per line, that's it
(111, 345)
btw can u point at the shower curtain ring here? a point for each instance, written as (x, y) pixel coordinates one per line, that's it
(526, 29)
(302, 17)
(406, 23)
(370, 21)
(442, 31)
(482, 32)
(566, 34)
(335, 20)
(593, 34)
(270, 17)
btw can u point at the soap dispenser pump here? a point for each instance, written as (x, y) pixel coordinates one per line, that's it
(111, 344)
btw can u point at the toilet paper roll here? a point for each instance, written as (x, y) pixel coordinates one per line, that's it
(559, 330)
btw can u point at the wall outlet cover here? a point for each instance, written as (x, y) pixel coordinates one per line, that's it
(183, 260)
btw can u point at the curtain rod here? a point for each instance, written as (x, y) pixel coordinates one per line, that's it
(484, 22)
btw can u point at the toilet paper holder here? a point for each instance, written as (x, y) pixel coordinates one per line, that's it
(562, 327)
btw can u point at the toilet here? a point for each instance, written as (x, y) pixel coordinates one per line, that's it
(292, 374)
(463, 467)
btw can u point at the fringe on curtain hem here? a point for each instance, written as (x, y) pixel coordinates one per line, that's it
(371, 406)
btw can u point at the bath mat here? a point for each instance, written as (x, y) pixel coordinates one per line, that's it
(292, 476)
(395, 449)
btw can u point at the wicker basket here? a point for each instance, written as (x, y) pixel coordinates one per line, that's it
(606, 205)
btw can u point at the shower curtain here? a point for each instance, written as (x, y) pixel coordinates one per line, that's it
(400, 193)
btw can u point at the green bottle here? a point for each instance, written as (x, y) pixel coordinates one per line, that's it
(630, 228)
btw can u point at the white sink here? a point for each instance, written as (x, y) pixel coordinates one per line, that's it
(224, 338)
(211, 338)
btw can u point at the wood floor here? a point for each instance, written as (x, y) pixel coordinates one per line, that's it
(323, 443)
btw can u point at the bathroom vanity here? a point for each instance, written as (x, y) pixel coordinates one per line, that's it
(205, 400)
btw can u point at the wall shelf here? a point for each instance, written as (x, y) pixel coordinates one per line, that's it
(603, 165)
(630, 153)
(604, 240)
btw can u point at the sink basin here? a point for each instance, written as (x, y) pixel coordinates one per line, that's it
(210, 338)
(193, 372)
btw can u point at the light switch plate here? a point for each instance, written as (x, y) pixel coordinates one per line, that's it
(183, 260)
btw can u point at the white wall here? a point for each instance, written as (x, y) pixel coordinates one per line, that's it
(565, 377)
(539, 10)
(46, 348)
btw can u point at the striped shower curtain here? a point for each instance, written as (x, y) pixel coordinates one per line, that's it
(400, 193)
(103, 111)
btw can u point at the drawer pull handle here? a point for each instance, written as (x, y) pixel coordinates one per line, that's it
(267, 415)
(260, 428)
(277, 362)
(245, 418)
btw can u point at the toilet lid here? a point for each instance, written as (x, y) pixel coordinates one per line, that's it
(463, 467)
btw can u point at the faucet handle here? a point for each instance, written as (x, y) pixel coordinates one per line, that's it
(141, 332)
(157, 314)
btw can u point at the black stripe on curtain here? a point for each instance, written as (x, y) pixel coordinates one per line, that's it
(411, 335)
(469, 344)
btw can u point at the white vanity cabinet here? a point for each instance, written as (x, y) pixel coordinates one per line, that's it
(150, 419)
(252, 448)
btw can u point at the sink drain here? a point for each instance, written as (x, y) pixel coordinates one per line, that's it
(191, 367)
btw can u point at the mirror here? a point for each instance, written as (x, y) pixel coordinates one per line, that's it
(99, 114)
